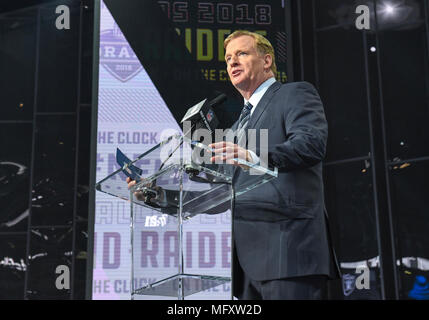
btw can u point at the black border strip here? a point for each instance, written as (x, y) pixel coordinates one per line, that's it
(93, 152)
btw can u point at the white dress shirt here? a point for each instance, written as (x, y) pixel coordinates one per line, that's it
(259, 92)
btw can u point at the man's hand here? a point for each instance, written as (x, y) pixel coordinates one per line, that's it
(226, 151)
(137, 194)
(159, 199)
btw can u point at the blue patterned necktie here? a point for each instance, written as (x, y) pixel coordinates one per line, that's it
(243, 122)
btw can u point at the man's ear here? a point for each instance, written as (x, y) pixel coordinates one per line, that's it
(268, 61)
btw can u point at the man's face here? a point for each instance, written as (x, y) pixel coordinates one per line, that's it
(244, 64)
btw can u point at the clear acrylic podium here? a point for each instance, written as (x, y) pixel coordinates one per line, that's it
(177, 184)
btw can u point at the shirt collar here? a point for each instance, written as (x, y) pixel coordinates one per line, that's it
(259, 92)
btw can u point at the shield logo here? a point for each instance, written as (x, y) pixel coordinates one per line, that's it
(349, 283)
(116, 55)
(209, 116)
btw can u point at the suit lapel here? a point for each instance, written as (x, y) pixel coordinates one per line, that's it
(263, 103)
(260, 108)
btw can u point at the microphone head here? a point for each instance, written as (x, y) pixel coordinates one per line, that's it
(193, 112)
(202, 115)
(218, 100)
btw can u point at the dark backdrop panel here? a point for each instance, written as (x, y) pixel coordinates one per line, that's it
(335, 12)
(410, 188)
(15, 160)
(342, 85)
(13, 249)
(54, 170)
(350, 205)
(17, 65)
(49, 248)
(58, 62)
(405, 90)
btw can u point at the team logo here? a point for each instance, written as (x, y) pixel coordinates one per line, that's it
(349, 282)
(209, 116)
(117, 56)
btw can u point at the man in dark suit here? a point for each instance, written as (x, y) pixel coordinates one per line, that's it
(281, 247)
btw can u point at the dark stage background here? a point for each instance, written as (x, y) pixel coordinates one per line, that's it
(374, 86)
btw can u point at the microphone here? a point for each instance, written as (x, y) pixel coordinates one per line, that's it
(218, 100)
(202, 115)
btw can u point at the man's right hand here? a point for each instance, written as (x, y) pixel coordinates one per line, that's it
(130, 182)
(137, 194)
(159, 200)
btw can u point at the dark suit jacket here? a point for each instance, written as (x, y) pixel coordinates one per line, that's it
(280, 228)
